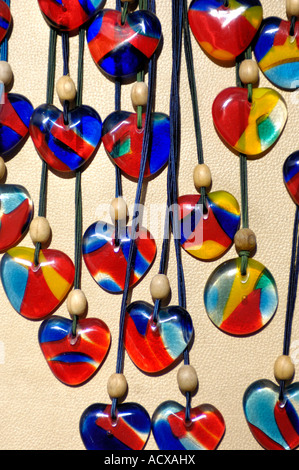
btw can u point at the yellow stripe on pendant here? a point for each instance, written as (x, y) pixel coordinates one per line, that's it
(56, 283)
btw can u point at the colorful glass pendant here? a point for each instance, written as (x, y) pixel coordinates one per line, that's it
(35, 291)
(16, 214)
(154, 346)
(291, 175)
(5, 19)
(208, 236)
(274, 424)
(69, 15)
(224, 32)
(203, 431)
(107, 261)
(249, 127)
(123, 142)
(122, 50)
(65, 147)
(74, 359)
(277, 52)
(237, 304)
(129, 431)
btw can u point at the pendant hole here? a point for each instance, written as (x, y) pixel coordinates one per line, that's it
(73, 339)
(35, 268)
(292, 39)
(244, 277)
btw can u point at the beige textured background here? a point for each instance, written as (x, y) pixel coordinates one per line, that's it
(37, 411)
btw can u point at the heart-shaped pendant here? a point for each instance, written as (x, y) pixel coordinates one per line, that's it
(154, 346)
(122, 50)
(237, 304)
(15, 114)
(16, 210)
(291, 175)
(123, 142)
(35, 291)
(107, 261)
(69, 15)
(274, 424)
(208, 236)
(74, 359)
(65, 147)
(249, 127)
(277, 52)
(5, 19)
(129, 431)
(224, 32)
(171, 431)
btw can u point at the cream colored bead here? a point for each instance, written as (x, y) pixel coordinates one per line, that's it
(249, 71)
(245, 240)
(118, 209)
(284, 368)
(160, 287)
(76, 303)
(187, 378)
(292, 7)
(2, 168)
(202, 176)
(66, 89)
(117, 385)
(139, 94)
(40, 230)
(6, 74)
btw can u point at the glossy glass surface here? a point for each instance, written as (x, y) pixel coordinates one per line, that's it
(277, 53)
(15, 215)
(225, 32)
(65, 147)
(123, 142)
(237, 304)
(171, 431)
(121, 50)
(153, 347)
(291, 175)
(15, 114)
(274, 424)
(5, 19)
(74, 359)
(35, 291)
(249, 128)
(130, 431)
(208, 236)
(69, 15)
(107, 262)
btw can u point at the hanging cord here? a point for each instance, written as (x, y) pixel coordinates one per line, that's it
(4, 44)
(50, 95)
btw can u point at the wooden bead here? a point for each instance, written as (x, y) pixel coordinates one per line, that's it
(187, 378)
(77, 303)
(6, 74)
(2, 168)
(292, 7)
(160, 287)
(139, 94)
(202, 176)
(249, 71)
(245, 240)
(40, 230)
(284, 368)
(117, 385)
(118, 209)
(66, 89)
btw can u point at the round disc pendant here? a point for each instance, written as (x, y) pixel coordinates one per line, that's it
(291, 176)
(240, 305)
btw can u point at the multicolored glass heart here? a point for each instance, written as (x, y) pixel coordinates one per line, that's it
(16, 209)
(74, 359)
(122, 50)
(35, 291)
(291, 175)
(69, 15)
(65, 147)
(171, 431)
(249, 127)
(5, 19)
(123, 141)
(224, 32)
(152, 345)
(129, 431)
(237, 304)
(107, 261)
(274, 424)
(208, 235)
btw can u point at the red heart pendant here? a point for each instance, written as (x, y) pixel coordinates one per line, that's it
(74, 359)
(5, 19)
